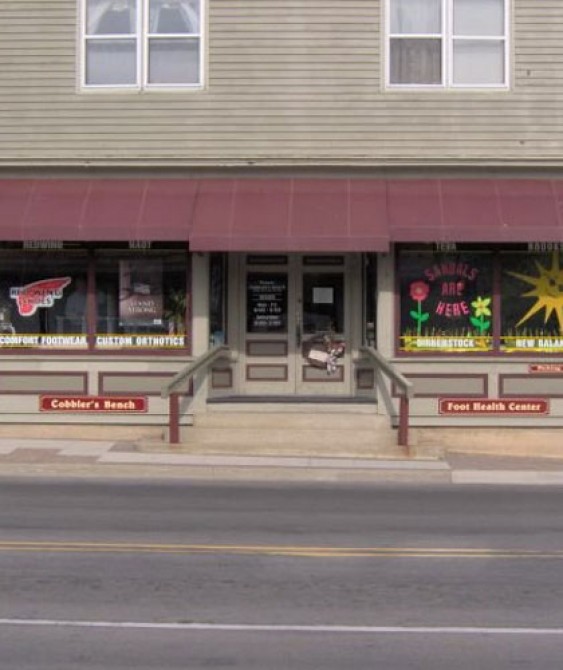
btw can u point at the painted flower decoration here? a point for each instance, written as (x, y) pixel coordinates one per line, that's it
(481, 306)
(481, 310)
(419, 291)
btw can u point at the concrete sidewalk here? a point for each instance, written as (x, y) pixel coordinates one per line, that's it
(87, 458)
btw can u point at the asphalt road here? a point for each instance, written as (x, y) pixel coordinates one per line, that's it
(102, 575)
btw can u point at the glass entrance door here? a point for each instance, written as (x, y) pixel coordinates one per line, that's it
(296, 325)
(322, 333)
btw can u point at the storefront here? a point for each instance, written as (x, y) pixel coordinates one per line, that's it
(109, 287)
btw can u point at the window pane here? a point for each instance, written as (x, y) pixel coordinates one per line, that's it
(416, 61)
(111, 62)
(181, 16)
(370, 299)
(37, 308)
(416, 16)
(173, 61)
(446, 301)
(532, 302)
(478, 62)
(111, 18)
(218, 270)
(479, 18)
(323, 303)
(145, 300)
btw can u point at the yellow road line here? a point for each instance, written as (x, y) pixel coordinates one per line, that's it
(273, 550)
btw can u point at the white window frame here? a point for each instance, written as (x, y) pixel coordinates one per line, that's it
(142, 36)
(448, 40)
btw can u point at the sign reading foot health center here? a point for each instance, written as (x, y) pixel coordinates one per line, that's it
(493, 406)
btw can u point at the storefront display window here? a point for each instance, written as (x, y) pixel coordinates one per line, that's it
(141, 300)
(532, 302)
(38, 297)
(446, 301)
(61, 298)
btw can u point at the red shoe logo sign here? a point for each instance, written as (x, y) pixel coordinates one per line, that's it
(42, 293)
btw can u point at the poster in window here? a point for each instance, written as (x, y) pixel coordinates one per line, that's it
(446, 302)
(140, 292)
(532, 302)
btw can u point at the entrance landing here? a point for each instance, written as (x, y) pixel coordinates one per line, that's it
(293, 399)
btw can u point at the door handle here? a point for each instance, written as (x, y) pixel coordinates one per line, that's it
(298, 335)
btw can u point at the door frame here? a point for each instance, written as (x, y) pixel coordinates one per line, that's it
(271, 364)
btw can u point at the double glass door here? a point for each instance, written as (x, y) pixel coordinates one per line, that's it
(296, 325)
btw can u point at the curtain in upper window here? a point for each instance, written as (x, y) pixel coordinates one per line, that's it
(111, 17)
(173, 54)
(181, 17)
(142, 43)
(422, 17)
(111, 43)
(447, 42)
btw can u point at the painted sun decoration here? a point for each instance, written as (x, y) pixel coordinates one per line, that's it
(547, 289)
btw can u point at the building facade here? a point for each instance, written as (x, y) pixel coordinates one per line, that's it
(296, 180)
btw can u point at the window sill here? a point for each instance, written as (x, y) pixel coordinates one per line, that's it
(134, 90)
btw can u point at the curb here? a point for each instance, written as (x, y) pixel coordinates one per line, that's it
(269, 461)
(508, 477)
(113, 460)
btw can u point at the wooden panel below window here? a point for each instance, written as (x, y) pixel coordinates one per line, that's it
(434, 386)
(519, 386)
(221, 378)
(365, 379)
(145, 383)
(268, 373)
(312, 374)
(266, 348)
(19, 382)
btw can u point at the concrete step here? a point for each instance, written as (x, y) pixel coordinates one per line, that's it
(281, 433)
(284, 420)
(260, 445)
(272, 437)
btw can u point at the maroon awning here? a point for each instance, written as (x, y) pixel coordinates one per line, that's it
(475, 210)
(283, 214)
(290, 215)
(96, 209)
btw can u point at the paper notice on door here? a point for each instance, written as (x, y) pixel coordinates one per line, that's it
(323, 295)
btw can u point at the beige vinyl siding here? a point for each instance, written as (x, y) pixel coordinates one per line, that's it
(287, 81)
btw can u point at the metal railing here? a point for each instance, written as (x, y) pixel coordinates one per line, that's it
(406, 387)
(185, 375)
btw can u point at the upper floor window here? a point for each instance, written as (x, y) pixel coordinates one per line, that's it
(447, 43)
(142, 43)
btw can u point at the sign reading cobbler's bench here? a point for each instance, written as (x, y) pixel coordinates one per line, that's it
(104, 404)
(493, 406)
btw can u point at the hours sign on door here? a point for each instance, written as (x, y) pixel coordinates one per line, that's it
(266, 303)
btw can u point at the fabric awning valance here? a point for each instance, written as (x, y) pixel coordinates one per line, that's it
(283, 214)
